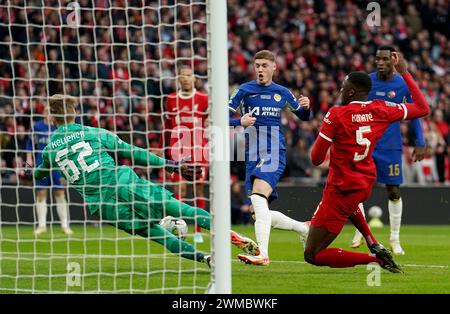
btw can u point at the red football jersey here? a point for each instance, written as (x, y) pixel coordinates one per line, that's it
(354, 130)
(185, 119)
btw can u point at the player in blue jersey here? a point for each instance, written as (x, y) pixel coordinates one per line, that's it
(390, 86)
(40, 135)
(260, 102)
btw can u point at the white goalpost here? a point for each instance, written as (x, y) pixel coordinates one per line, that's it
(220, 166)
(121, 60)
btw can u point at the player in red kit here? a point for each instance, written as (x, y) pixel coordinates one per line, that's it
(186, 114)
(352, 130)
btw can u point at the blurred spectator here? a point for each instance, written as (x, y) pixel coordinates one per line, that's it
(298, 160)
(240, 211)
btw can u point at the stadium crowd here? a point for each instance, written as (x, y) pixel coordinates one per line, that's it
(121, 63)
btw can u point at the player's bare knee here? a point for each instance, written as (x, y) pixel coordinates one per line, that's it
(393, 192)
(59, 193)
(41, 195)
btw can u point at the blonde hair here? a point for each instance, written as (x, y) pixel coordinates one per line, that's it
(62, 107)
(264, 54)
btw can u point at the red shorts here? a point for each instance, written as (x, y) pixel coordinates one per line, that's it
(336, 207)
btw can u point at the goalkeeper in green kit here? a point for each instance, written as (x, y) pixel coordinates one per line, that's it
(116, 194)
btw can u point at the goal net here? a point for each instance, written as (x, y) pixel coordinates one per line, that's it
(122, 60)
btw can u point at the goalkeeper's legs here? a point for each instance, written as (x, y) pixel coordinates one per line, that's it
(203, 219)
(160, 235)
(197, 215)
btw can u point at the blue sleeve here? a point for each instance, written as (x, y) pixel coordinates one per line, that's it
(30, 143)
(417, 126)
(236, 99)
(43, 170)
(234, 121)
(303, 114)
(234, 104)
(296, 108)
(30, 140)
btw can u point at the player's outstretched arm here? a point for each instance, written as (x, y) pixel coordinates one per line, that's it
(139, 155)
(420, 106)
(189, 172)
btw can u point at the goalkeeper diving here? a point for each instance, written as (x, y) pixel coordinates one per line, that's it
(116, 194)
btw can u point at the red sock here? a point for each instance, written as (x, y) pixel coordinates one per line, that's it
(338, 258)
(359, 221)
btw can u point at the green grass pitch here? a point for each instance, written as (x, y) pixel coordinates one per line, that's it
(111, 261)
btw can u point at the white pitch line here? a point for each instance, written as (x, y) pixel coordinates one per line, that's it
(424, 266)
(163, 256)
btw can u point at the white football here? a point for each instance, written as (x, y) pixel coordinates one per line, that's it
(177, 226)
(375, 212)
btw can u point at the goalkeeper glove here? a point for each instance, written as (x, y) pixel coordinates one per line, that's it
(188, 172)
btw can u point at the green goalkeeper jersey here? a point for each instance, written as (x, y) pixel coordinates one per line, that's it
(82, 155)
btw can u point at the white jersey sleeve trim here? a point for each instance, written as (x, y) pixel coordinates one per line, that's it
(325, 137)
(294, 109)
(405, 109)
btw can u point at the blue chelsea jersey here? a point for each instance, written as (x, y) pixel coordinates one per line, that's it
(40, 136)
(395, 91)
(265, 103)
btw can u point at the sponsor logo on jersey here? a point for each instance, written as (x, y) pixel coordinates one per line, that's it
(266, 97)
(43, 140)
(393, 104)
(277, 97)
(391, 94)
(380, 93)
(190, 120)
